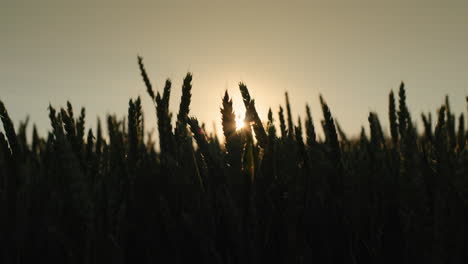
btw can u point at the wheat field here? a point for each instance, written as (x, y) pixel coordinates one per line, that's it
(270, 192)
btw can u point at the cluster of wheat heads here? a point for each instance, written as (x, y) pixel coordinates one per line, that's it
(260, 196)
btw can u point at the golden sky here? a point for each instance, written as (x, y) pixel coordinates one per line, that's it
(353, 52)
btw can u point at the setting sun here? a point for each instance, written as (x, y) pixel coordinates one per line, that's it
(239, 122)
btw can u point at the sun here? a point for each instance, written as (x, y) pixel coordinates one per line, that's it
(239, 112)
(239, 122)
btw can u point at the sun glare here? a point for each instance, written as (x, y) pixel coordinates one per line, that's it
(239, 122)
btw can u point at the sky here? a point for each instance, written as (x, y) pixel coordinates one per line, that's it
(351, 52)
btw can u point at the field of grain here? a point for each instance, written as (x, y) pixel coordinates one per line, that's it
(256, 196)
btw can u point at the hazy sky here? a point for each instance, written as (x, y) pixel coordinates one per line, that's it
(353, 52)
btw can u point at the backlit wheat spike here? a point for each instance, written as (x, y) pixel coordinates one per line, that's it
(166, 137)
(9, 130)
(245, 94)
(149, 87)
(282, 123)
(377, 137)
(450, 124)
(336, 182)
(310, 129)
(427, 123)
(300, 142)
(89, 145)
(35, 145)
(441, 132)
(166, 93)
(248, 163)
(52, 117)
(99, 139)
(80, 126)
(363, 137)
(461, 133)
(4, 149)
(184, 109)
(228, 119)
(133, 124)
(260, 133)
(200, 137)
(70, 111)
(329, 124)
(271, 127)
(392, 114)
(404, 118)
(288, 112)
(298, 132)
(69, 124)
(252, 116)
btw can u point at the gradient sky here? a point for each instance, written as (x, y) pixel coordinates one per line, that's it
(353, 52)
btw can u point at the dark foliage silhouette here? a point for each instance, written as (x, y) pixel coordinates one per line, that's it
(260, 196)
